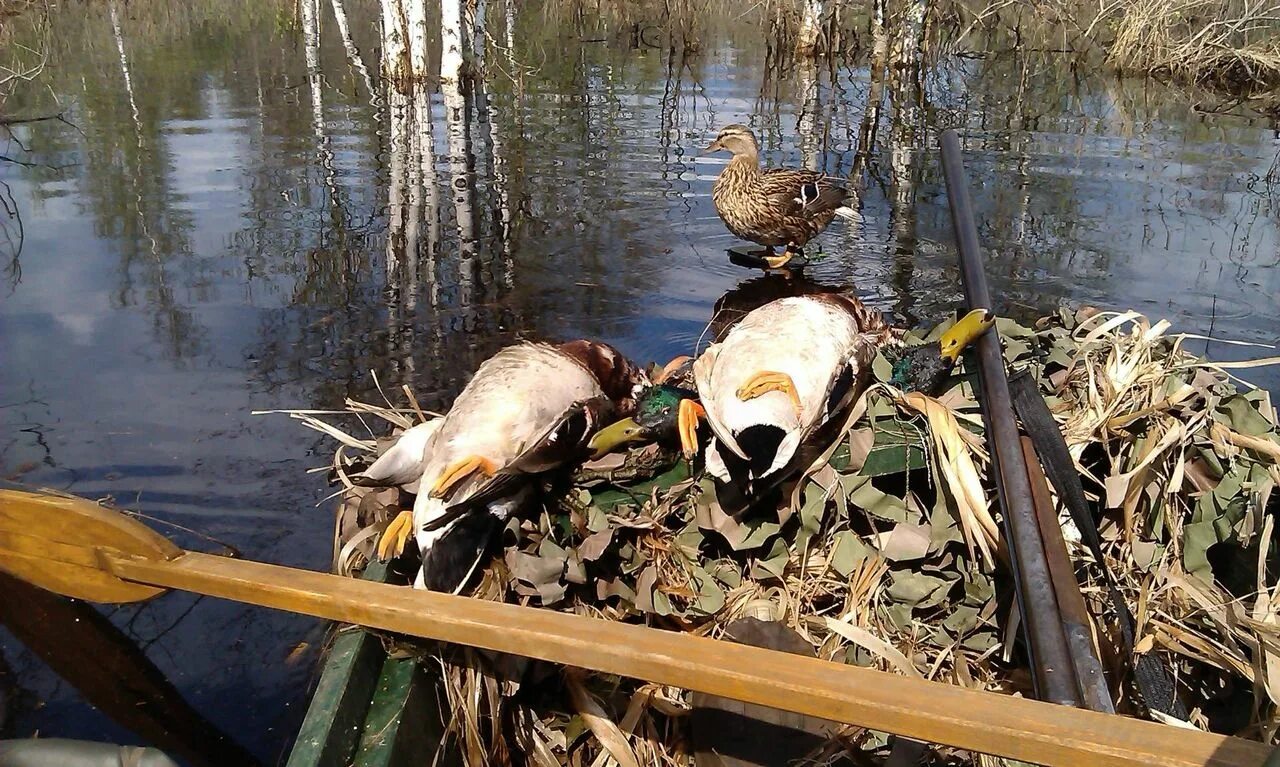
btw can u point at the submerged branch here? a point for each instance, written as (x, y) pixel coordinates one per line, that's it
(7, 121)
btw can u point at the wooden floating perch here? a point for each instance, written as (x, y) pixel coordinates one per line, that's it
(80, 549)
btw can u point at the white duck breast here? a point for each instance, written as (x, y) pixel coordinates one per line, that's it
(514, 400)
(808, 339)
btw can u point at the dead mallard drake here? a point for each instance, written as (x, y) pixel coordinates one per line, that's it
(529, 409)
(773, 207)
(789, 371)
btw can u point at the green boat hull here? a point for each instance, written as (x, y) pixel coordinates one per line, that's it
(371, 710)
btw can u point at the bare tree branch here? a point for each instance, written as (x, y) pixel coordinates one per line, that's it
(7, 121)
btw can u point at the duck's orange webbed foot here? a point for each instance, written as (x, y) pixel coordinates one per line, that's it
(767, 381)
(396, 536)
(777, 262)
(460, 470)
(688, 416)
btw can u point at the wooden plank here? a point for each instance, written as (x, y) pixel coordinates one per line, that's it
(1032, 731)
(335, 718)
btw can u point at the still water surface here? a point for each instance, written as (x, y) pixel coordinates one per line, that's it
(222, 233)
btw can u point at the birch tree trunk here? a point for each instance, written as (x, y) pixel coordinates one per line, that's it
(452, 40)
(124, 69)
(311, 44)
(412, 191)
(399, 118)
(908, 49)
(315, 81)
(476, 25)
(349, 44)
(143, 226)
(905, 129)
(416, 18)
(499, 163)
(809, 35)
(808, 125)
(458, 132)
(875, 93)
(395, 42)
(426, 200)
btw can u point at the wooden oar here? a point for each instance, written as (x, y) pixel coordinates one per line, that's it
(77, 548)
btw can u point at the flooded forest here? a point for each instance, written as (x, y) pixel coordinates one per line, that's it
(210, 210)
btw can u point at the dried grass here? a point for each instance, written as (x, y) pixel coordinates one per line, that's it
(1143, 419)
(1226, 45)
(1234, 44)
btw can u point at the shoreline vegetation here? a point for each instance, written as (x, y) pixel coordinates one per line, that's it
(1228, 47)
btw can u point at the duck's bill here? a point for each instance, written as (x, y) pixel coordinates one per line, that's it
(714, 146)
(689, 415)
(966, 331)
(614, 436)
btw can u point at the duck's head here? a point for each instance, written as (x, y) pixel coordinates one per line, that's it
(736, 138)
(664, 413)
(621, 379)
(925, 367)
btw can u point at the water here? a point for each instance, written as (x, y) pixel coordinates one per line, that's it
(230, 234)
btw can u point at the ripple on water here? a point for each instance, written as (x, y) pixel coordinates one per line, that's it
(226, 247)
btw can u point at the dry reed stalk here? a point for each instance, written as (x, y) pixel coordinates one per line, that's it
(1229, 43)
(1140, 416)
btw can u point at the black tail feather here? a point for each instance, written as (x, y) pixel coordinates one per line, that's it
(451, 559)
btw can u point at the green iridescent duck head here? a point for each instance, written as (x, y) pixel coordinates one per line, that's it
(925, 367)
(664, 413)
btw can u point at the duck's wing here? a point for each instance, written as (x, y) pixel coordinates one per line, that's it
(402, 464)
(453, 532)
(802, 192)
(452, 551)
(561, 443)
(564, 440)
(713, 397)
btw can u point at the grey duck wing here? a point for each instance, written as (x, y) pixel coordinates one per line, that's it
(562, 443)
(804, 193)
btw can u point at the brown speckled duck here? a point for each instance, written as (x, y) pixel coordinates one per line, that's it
(774, 207)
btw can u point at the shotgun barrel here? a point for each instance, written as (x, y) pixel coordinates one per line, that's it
(1047, 647)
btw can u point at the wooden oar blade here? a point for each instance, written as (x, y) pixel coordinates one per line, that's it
(52, 541)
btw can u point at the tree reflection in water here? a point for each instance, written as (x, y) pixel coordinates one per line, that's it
(262, 208)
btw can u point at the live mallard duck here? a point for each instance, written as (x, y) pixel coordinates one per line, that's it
(529, 409)
(794, 366)
(774, 207)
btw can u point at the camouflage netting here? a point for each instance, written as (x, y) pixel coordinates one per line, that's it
(888, 552)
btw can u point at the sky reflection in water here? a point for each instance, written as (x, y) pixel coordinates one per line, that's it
(230, 237)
